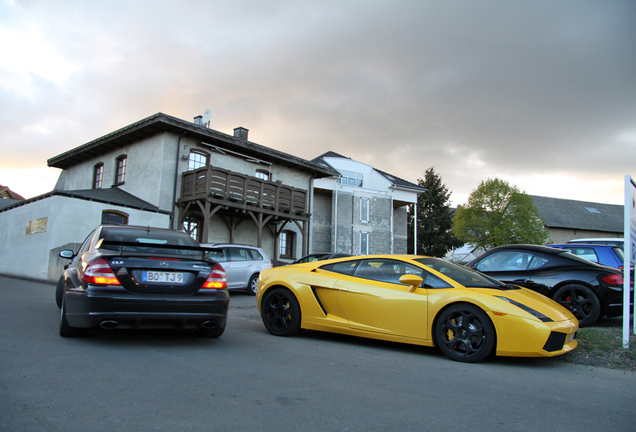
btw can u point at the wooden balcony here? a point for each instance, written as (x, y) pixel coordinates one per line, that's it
(239, 191)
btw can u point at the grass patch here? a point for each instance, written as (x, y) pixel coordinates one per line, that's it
(602, 346)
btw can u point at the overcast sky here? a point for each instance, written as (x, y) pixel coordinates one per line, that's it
(539, 93)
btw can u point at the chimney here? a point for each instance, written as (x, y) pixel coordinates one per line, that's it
(198, 120)
(241, 133)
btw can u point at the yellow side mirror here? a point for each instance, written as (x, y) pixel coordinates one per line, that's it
(412, 280)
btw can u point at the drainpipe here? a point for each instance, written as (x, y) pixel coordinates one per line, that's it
(415, 228)
(335, 224)
(310, 204)
(392, 221)
(176, 179)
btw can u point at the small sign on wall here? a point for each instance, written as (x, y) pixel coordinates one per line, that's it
(36, 226)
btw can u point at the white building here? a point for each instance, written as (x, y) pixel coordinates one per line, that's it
(361, 212)
(166, 172)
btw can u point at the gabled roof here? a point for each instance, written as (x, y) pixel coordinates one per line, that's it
(390, 177)
(581, 215)
(113, 196)
(6, 193)
(160, 123)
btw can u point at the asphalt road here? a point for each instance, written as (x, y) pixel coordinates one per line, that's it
(249, 380)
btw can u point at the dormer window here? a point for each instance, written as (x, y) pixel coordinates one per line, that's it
(120, 174)
(98, 176)
(350, 178)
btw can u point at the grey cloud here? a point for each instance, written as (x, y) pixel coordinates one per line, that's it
(477, 89)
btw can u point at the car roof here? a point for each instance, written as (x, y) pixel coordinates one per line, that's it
(583, 240)
(529, 247)
(593, 245)
(228, 245)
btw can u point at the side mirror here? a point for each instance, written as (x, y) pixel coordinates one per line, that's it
(412, 280)
(67, 253)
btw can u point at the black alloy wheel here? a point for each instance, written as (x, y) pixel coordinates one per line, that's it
(252, 285)
(59, 291)
(465, 333)
(281, 312)
(581, 301)
(65, 329)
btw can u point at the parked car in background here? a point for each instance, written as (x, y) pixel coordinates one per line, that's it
(128, 277)
(417, 300)
(602, 241)
(242, 263)
(587, 289)
(609, 255)
(320, 257)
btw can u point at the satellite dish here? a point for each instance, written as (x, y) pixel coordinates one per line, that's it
(207, 114)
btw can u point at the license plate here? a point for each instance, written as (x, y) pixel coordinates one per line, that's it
(162, 277)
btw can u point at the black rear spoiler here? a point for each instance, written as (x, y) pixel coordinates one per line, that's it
(121, 244)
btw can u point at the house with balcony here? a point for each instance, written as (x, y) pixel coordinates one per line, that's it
(165, 172)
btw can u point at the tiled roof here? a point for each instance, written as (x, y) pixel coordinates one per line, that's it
(6, 202)
(581, 215)
(5, 193)
(114, 196)
(160, 123)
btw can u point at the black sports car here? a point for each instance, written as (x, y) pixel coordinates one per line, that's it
(587, 289)
(141, 277)
(321, 256)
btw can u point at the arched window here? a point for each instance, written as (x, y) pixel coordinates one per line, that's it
(114, 217)
(197, 159)
(286, 244)
(192, 225)
(263, 174)
(98, 176)
(120, 174)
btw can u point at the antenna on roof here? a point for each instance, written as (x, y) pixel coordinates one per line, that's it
(207, 115)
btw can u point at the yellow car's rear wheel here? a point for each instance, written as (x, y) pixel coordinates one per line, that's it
(281, 312)
(465, 333)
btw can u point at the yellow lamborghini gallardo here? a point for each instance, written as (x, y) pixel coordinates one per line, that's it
(416, 300)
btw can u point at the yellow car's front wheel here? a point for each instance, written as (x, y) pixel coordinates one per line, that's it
(465, 333)
(281, 312)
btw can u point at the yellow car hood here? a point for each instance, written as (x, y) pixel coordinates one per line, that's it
(531, 299)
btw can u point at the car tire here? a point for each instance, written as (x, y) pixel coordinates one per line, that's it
(582, 301)
(464, 333)
(281, 312)
(65, 329)
(252, 285)
(59, 291)
(210, 333)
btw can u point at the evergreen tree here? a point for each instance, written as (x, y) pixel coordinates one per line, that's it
(498, 214)
(434, 218)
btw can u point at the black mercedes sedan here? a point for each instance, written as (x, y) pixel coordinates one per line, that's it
(587, 289)
(130, 277)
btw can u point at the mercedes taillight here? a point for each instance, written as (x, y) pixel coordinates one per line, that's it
(217, 278)
(98, 272)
